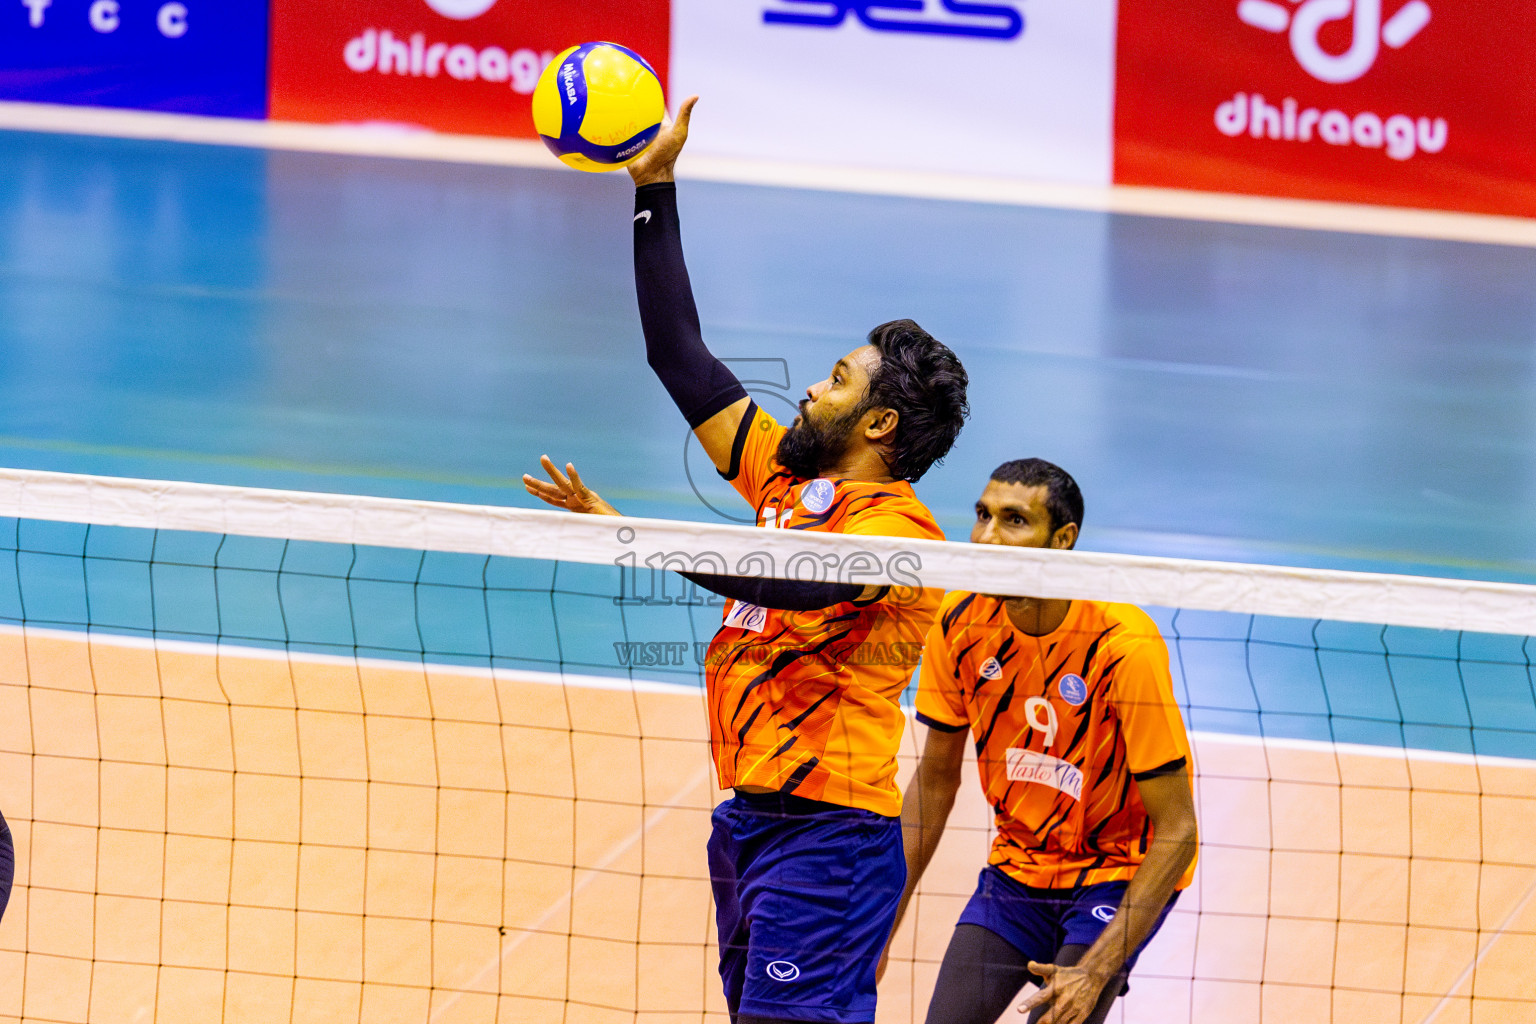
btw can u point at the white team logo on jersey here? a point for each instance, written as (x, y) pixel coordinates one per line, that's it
(461, 10)
(817, 495)
(991, 669)
(1104, 912)
(782, 970)
(1073, 690)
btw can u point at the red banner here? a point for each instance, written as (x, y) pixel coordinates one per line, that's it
(1424, 103)
(450, 65)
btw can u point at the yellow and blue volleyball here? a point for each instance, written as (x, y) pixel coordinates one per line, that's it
(598, 105)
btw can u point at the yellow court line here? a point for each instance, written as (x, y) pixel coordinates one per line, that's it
(402, 143)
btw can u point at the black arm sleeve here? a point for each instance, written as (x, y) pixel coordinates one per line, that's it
(700, 384)
(784, 595)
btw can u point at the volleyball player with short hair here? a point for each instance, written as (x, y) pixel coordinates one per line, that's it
(806, 859)
(1083, 756)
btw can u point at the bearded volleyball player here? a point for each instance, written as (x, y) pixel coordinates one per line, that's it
(806, 858)
(1083, 757)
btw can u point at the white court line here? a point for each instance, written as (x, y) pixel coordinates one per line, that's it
(1450, 993)
(592, 874)
(403, 143)
(1359, 749)
(224, 650)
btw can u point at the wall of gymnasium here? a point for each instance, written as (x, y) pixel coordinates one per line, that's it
(1417, 103)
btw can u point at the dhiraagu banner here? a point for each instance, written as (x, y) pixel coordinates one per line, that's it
(465, 66)
(1428, 103)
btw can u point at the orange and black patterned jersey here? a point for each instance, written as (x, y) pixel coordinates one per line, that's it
(808, 702)
(1062, 723)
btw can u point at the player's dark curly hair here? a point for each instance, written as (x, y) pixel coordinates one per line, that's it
(924, 382)
(1063, 499)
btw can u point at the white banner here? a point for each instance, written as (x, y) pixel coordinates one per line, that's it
(1018, 88)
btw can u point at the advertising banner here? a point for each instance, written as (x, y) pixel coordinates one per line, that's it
(1423, 103)
(188, 56)
(1004, 88)
(465, 66)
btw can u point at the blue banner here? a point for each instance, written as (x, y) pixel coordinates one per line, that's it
(188, 56)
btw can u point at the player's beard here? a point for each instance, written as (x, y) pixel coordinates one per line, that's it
(808, 447)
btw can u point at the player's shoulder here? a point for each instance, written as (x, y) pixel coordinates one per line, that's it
(894, 506)
(1126, 625)
(962, 608)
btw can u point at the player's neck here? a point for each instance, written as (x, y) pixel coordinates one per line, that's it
(865, 465)
(1035, 616)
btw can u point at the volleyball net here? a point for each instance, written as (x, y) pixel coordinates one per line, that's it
(278, 756)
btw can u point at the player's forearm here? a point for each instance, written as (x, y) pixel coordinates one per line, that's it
(1169, 856)
(699, 384)
(923, 816)
(783, 595)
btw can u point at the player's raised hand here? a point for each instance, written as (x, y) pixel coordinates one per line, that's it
(567, 492)
(1071, 993)
(656, 163)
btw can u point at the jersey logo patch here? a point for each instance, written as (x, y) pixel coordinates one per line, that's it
(1033, 766)
(991, 669)
(1104, 912)
(817, 495)
(782, 970)
(1073, 690)
(750, 617)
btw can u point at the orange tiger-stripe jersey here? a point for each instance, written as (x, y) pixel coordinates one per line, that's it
(1062, 724)
(809, 702)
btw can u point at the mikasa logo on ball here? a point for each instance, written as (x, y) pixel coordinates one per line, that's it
(461, 10)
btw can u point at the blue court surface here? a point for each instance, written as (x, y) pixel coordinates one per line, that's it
(427, 330)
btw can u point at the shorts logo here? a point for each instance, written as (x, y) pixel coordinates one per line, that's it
(782, 970)
(461, 10)
(1073, 690)
(1104, 912)
(817, 495)
(990, 669)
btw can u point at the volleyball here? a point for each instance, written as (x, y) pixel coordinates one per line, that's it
(598, 106)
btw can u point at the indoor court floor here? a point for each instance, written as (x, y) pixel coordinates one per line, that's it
(245, 836)
(427, 330)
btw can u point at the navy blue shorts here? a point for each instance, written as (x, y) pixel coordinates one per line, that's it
(805, 896)
(7, 864)
(1038, 922)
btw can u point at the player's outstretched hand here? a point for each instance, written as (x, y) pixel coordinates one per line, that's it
(656, 163)
(1070, 992)
(567, 492)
